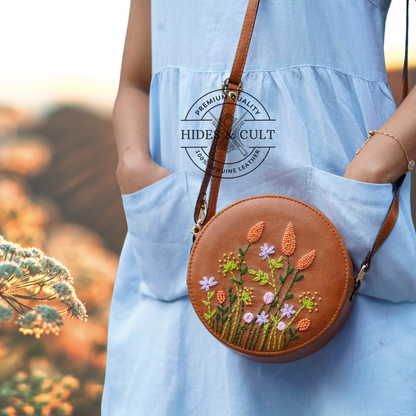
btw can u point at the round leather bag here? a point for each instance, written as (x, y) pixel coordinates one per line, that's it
(270, 277)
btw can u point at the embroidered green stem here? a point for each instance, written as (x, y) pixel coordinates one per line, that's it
(251, 328)
(208, 316)
(235, 320)
(273, 264)
(258, 335)
(237, 332)
(244, 327)
(274, 329)
(288, 325)
(240, 266)
(266, 327)
(229, 319)
(252, 337)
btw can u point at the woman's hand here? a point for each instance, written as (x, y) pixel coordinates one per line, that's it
(135, 171)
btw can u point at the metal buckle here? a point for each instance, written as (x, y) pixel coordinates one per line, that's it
(361, 274)
(225, 84)
(196, 229)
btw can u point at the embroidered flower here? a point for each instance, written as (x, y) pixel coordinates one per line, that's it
(289, 241)
(221, 297)
(206, 284)
(248, 317)
(255, 232)
(268, 298)
(306, 260)
(230, 266)
(265, 251)
(287, 311)
(281, 326)
(262, 319)
(304, 324)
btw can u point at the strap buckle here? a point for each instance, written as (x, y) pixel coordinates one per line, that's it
(196, 229)
(359, 278)
(225, 85)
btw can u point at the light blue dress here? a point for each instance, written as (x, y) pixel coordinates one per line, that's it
(318, 67)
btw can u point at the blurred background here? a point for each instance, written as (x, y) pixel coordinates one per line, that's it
(59, 69)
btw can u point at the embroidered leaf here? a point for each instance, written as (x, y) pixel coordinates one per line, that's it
(224, 318)
(261, 273)
(220, 308)
(226, 309)
(218, 317)
(294, 337)
(241, 251)
(290, 331)
(256, 279)
(205, 302)
(273, 262)
(236, 281)
(307, 303)
(263, 282)
(281, 278)
(290, 270)
(212, 314)
(280, 259)
(297, 278)
(233, 298)
(252, 272)
(206, 316)
(266, 277)
(244, 270)
(279, 266)
(273, 318)
(210, 295)
(289, 296)
(266, 326)
(274, 303)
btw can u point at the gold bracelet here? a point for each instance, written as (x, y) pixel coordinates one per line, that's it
(410, 163)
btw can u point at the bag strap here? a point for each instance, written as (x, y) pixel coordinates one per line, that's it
(205, 209)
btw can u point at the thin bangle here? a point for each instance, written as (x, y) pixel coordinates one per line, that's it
(410, 163)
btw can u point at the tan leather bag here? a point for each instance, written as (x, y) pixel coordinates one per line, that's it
(270, 276)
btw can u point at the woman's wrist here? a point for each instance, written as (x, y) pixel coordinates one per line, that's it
(381, 161)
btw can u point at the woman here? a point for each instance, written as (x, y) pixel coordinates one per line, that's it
(318, 67)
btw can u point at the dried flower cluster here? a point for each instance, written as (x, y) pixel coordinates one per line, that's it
(28, 274)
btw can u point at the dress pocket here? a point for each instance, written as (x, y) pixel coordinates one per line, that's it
(159, 219)
(357, 209)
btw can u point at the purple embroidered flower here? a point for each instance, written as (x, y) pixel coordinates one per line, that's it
(265, 251)
(248, 317)
(268, 298)
(206, 284)
(287, 311)
(281, 326)
(262, 319)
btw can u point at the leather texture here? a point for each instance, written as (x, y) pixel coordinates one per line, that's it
(330, 274)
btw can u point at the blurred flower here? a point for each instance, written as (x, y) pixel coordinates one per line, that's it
(21, 272)
(268, 298)
(43, 319)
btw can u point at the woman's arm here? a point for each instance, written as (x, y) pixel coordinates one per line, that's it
(135, 169)
(382, 159)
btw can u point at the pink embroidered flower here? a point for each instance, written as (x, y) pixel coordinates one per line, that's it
(262, 319)
(281, 326)
(248, 317)
(268, 298)
(287, 311)
(206, 284)
(265, 251)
